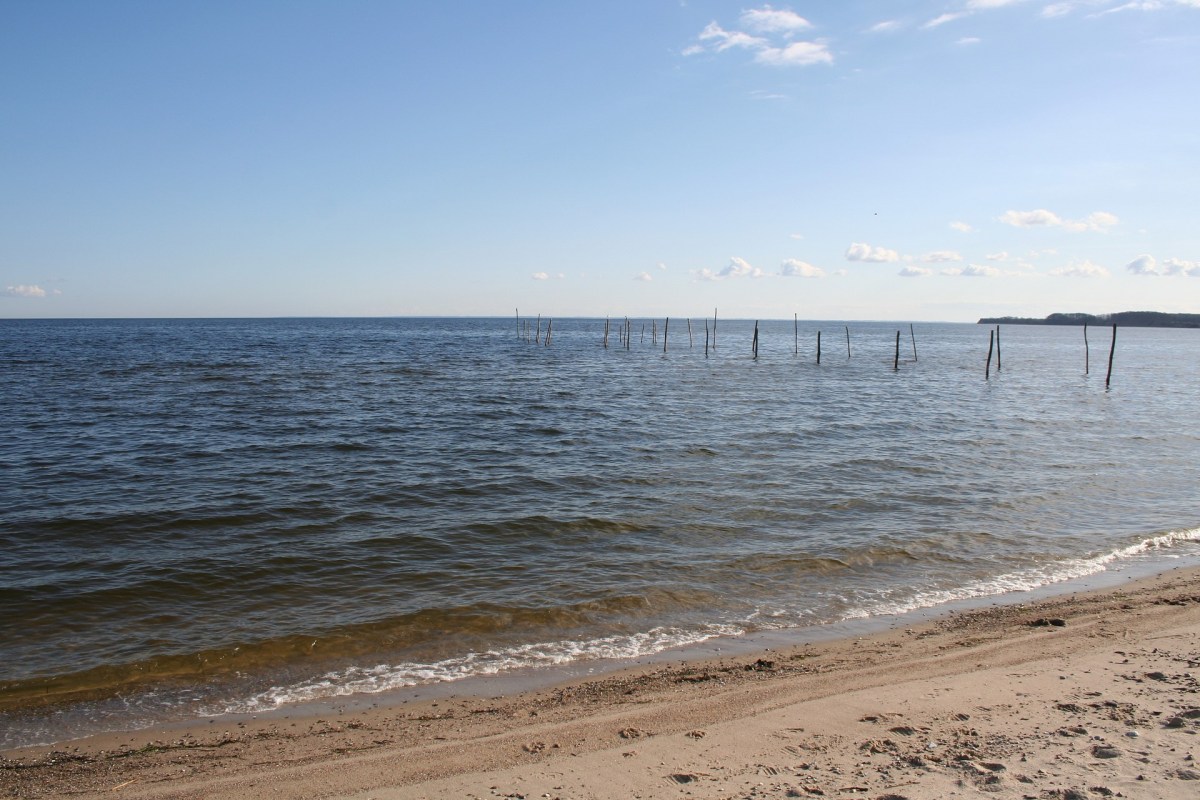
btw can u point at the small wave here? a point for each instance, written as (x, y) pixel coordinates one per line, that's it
(386, 677)
(1032, 578)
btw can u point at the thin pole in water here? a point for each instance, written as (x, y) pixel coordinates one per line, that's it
(847, 342)
(796, 321)
(706, 337)
(1085, 349)
(896, 363)
(818, 347)
(666, 324)
(914, 340)
(754, 344)
(690, 343)
(714, 329)
(1111, 350)
(987, 370)
(997, 348)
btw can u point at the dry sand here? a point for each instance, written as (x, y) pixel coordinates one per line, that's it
(1085, 696)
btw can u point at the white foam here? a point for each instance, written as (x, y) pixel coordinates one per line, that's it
(387, 677)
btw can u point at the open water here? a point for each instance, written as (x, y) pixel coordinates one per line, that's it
(207, 516)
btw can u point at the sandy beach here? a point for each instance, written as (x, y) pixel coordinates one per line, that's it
(1082, 696)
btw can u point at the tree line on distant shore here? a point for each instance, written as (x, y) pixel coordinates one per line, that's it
(1134, 319)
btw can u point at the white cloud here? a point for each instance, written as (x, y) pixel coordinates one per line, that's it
(941, 255)
(980, 271)
(794, 268)
(1177, 266)
(1001, 256)
(968, 40)
(961, 227)
(643, 276)
(740, 268)
(887, 26)
(795, 235)
(1143, 265)
(22, 290)
(1081, 269)
(774, 47)
(662, 266)
(943, 19)
(737, 268)
(915, 272)
(877, 255)
(1096, 221)
(540, 276)
(796, 54)
(722, 39)
(769, 20)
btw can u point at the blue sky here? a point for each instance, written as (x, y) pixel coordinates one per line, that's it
(907, 159)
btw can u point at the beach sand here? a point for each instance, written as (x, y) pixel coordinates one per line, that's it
(1089, 695)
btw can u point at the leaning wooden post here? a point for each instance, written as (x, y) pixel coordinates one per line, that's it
(997, 348)
(1111, 350)
(666, 324)
(754, 344)
(818, 347)
(896, 363)
(606, 333)
(796, 322)
(706, 337)
(847, 342)
(1085, 349)
(914, 340)
(987, 370)
(537, 336)
(690, 343)
(549, 325)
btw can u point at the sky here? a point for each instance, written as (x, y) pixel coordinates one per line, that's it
(933, 160)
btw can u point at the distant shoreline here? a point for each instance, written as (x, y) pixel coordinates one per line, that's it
(1134, 319)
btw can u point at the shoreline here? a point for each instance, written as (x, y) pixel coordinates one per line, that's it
(696, 725)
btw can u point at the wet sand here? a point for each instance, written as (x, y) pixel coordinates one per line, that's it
(1088, 695)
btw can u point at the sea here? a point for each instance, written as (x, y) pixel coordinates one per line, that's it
(232, 516)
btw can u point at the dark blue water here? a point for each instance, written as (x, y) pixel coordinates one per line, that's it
(205, 515)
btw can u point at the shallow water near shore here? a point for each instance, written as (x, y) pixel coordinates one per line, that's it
(210, 516)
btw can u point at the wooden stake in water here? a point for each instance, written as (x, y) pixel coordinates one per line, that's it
(654, 332)
(549, 325)
(896, 363)
(606, 333)
(706, 338)
(1085, 349)
(690, 343)
(754, 345)
(987, 370)
(997, 348)
(666, 324)
(847, 342)
(714, 329)
(518, 323)
(796, 322)
(818, 347)
(1111, 350)
(642, 338)
(913, 334)
(537, 336)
